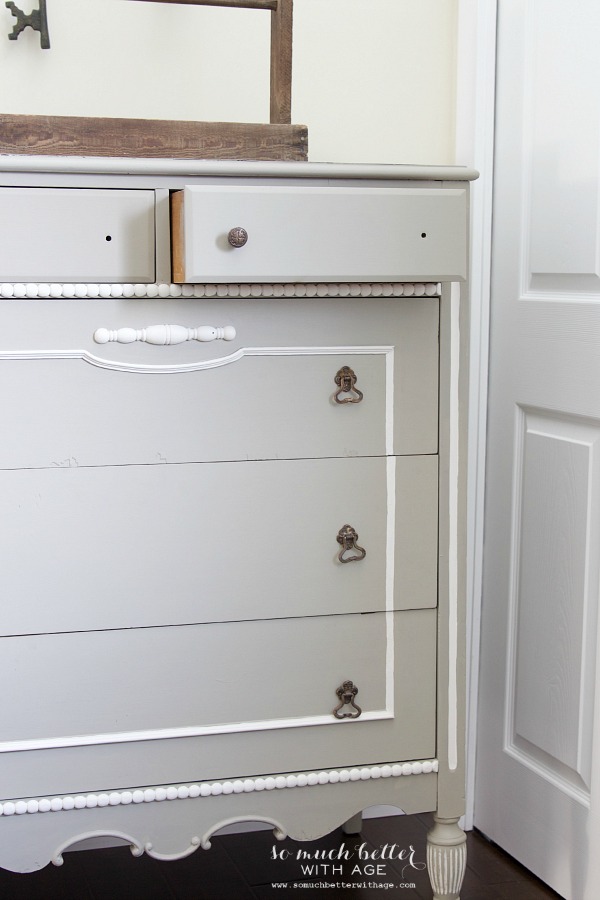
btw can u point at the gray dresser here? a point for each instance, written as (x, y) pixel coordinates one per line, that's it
(234, 401)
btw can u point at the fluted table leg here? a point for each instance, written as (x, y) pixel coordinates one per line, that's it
(446, 858)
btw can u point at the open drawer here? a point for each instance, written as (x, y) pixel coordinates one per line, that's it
(224, 233)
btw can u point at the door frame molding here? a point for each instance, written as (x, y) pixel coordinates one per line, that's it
(474, 146)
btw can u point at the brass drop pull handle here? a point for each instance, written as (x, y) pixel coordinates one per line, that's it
(346, 381)
(346, 693)
(348, 537)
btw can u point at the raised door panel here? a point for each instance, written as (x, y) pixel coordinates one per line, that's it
(75, 235)
(126, 546)
(553, 607)
(538, 754)
(311, 233)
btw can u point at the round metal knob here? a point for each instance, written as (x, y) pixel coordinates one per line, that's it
(237, 237)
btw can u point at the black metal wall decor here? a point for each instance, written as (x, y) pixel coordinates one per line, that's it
(37, 19)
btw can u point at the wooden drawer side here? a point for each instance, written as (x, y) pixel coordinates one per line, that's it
(177, 238)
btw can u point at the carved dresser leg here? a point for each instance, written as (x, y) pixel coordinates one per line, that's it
(446, 858)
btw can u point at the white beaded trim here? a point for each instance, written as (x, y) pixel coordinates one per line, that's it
(215, 788)
(33, 290)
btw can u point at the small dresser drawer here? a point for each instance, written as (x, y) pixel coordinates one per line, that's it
(224, 679)
(76, 235)
(224, 233)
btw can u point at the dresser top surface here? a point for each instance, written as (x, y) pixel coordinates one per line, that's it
(205, 168)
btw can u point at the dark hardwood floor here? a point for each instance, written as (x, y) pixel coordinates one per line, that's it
(241, 867)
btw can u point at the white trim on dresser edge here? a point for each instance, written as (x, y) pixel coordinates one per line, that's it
(476, 83)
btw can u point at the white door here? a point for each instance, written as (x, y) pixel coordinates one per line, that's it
(538, 749)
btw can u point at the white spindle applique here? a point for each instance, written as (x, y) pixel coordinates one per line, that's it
(165, 335)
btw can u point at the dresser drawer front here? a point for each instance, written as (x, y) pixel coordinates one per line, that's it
(220, 680)
(131, 546)
(304, 234)
(269, 393)
(265, 406)
(75, 235)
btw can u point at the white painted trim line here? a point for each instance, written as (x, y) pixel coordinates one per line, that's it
(389, 402)
(160, 734)
(390, 579)
(453, 490)
(181, 368)
(390, 554)
(214, 788)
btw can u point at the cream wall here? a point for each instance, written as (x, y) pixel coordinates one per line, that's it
(374, 80)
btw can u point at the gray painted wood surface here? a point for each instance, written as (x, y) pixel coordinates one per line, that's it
(54, 234)
(276, 405)
(158, 702)
(219, 676)
(322, 233)
(169, 545)
(133, 546)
